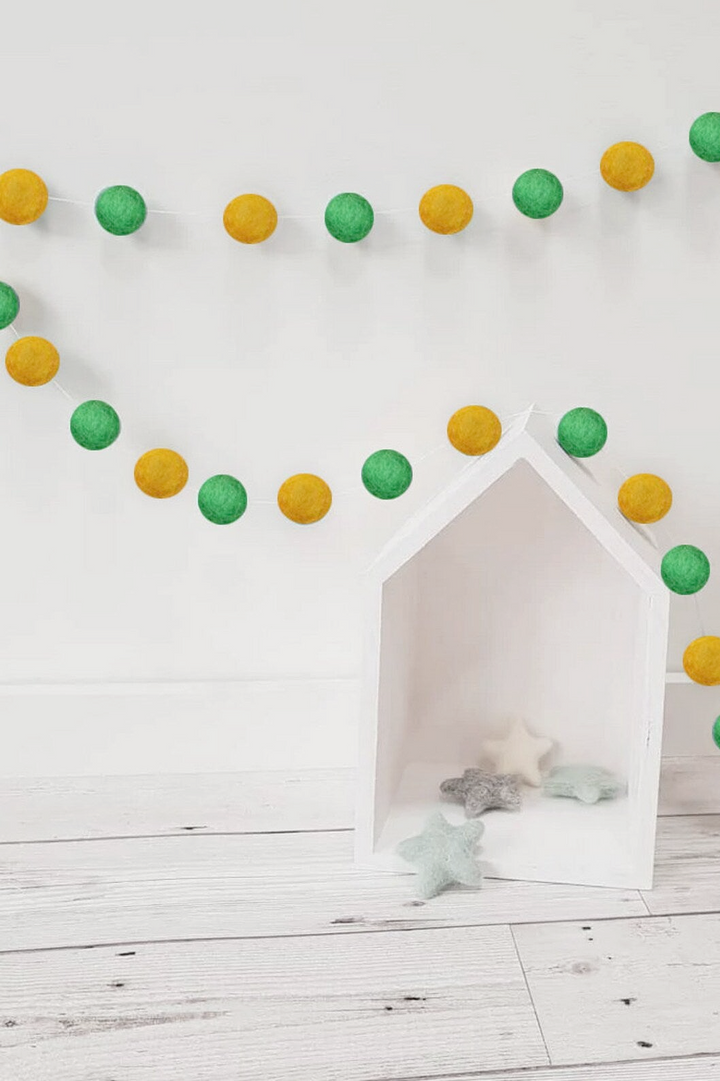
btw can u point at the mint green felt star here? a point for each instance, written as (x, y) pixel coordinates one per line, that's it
(588, 784)
(444, 855)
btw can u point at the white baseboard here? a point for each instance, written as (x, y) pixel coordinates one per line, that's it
(79, 730)
(113, 729)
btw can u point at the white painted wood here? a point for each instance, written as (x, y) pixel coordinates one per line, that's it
(358, 1007)
(194, 727)
(69, 894)
(687, 877)
(625, 989)
(478, 616)
(66, 808)
(690, 786)
(697, 1068)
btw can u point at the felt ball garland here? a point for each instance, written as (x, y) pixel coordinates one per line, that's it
(582, 432)
(627, 166)
(9, 305)
(349, 217)
(222, 499)
(23, 196)
(701, 660)
(645, 498)
(250, 219)
(95, 425)
(685, 569)
(120, 210)
(304, 498)
(161, 473)
(387, 474)
(474, 430)
(446, 209)
(705, 137)
(32, 361)
(537, 193)
(716, 733)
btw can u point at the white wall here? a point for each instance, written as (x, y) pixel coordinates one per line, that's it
(304, 354)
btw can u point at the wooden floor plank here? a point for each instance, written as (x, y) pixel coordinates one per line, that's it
(309, 1009)
(625, 989)
(147, 889)
(697, 1068)
(687, 873)
(66, 808)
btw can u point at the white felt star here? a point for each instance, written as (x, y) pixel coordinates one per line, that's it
(518, 753)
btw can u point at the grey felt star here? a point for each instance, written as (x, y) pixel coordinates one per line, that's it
(444, 854)
(481, 791)
(589, 784)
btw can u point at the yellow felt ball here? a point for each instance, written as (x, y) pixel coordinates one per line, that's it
(701, 660)
(250, 218)
(304, 498)
(161, 473)
(627, 166)
(32, 361)
(474, 429)
(23, 196)
(645, 498)
(446, 209)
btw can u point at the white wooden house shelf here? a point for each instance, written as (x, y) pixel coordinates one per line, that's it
(520, 591)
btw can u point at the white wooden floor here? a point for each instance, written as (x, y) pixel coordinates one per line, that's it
(212, 928)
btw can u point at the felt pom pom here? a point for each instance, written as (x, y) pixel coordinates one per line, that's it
(446, 209)
(537, 193)
(685, 569)
(645, 498)
(627, 166)
(23, 196)
(582, 432)
(120, 210)
(9, 305)
(95, 425)
(705, 137)
(701, 660)
(349, 217)
(161, 473)
(250, 218)
(304, 498)
(387, 474)
(32, 361)
(222, 499)
(474, 430)
(716, 733)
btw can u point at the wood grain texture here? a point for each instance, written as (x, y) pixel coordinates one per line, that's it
(66, 808)
(352, 1008)
(696, 1068)
(687, 872)
(690, 786)
(625, 989)
(74, 893)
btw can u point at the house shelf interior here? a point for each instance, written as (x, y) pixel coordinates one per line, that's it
(515, 611)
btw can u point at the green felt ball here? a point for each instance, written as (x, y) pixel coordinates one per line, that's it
(95, 425)
(222, 499)
(716, 732)
(537, 193)
(120, 210)
(349, 217)
(387, 474)
(9, 305)
(705, 137)
(685, 569)
(582, 432)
